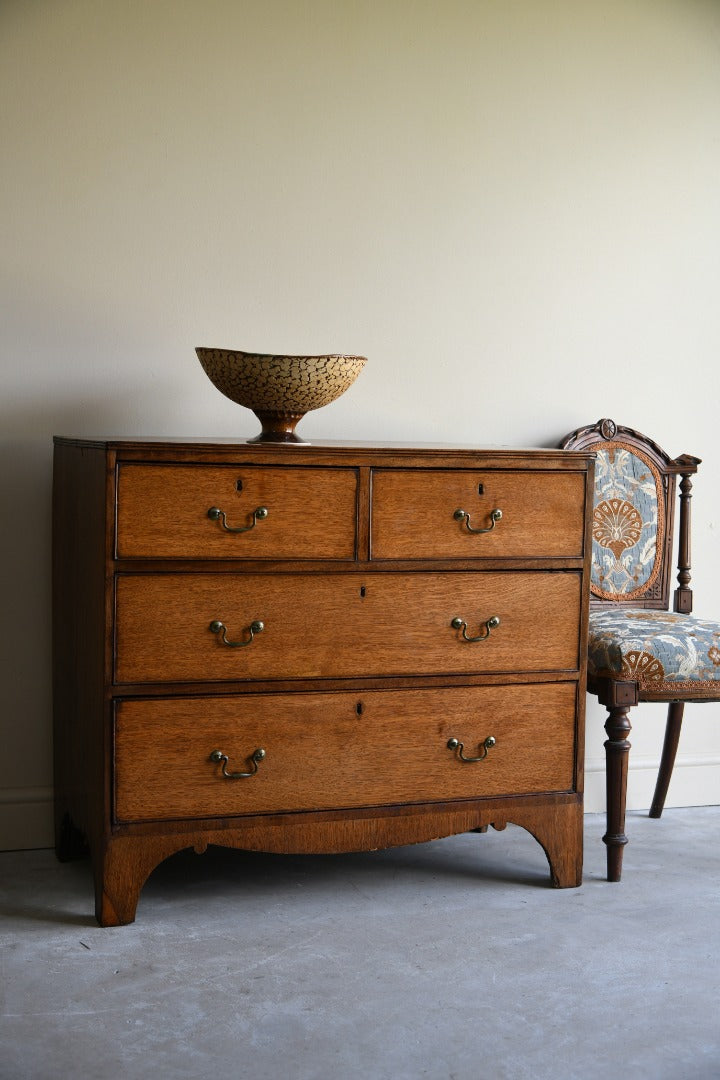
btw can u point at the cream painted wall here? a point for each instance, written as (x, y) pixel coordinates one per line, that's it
(510, 206)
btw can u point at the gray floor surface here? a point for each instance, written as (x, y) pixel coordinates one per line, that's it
(453, 960)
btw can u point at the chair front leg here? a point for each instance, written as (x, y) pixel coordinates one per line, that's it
(617, 749)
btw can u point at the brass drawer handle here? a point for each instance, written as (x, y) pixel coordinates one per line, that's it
(455, 744)
(255, 627)
(495, 516)
(216, 514)
(490, 624)
(256, 757)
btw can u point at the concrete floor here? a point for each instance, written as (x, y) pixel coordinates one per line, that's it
(446, 961)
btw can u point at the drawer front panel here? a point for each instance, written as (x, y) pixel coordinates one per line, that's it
(413, 514)
(163, 512)
(343, 625)
(326, 751)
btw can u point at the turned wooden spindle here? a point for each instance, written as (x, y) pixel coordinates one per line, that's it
(683, 594)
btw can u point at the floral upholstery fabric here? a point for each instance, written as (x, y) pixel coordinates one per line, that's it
(659, 649)
(628, 523)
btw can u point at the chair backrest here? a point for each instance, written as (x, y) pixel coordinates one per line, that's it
(633, 517)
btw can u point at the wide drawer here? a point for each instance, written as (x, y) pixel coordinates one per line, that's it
(327, 751)
(236, 512)
(343, 624)
(424, 514)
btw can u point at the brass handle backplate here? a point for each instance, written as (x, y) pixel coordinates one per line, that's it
(255, 627)
(256, 757)
(490, 624)
(216, 514)
(495, 516)
(455, 744)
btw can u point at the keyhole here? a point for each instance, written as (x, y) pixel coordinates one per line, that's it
(481, 489)
(359, 708)
(362, 591)
(238, 485)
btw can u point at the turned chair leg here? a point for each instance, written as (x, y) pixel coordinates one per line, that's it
(667, 761)
(617, 749)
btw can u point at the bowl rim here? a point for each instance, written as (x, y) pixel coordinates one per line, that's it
(280, 356)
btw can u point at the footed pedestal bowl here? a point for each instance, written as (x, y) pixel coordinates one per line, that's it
(279, 389)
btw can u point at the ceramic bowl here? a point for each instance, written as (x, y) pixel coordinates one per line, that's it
(279, 389)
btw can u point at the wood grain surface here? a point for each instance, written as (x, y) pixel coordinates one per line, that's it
(163, 512)
(333, 625)
(327, 751)
(413, 513)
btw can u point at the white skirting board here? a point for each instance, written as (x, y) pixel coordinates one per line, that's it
(26, 818)
(26, 814)
(695, 782)
(696, 776)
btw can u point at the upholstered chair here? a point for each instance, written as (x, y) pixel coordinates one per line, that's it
(639, 650)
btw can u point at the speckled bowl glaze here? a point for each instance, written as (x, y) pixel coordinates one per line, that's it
(279, 389)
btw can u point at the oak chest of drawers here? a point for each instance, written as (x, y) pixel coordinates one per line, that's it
(314, 649)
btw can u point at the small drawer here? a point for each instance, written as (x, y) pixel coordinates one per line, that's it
(216, 627)
(468, 514)
(236, 512)
(332, 751)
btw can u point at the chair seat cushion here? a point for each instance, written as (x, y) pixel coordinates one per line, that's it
(660, 650)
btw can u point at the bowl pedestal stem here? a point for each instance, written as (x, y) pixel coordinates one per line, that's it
(278, 427)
